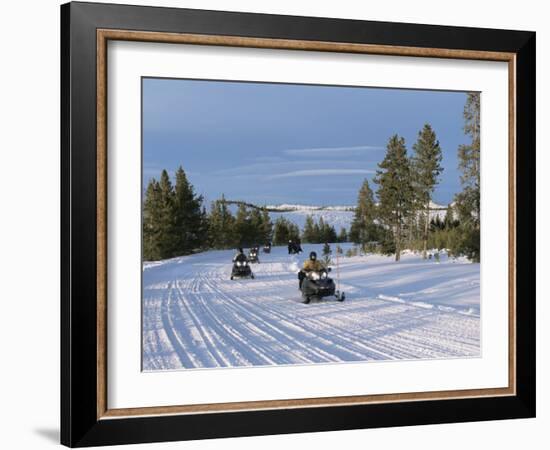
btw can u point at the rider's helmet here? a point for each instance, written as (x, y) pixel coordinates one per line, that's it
(313, 256)
(240, 249)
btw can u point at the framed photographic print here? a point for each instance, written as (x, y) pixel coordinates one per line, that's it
(276, 224)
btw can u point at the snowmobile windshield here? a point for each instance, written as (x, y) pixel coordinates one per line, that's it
(240, 257)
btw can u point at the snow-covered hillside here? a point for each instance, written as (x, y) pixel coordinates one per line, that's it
(296, 207)
(194, 316)
(337, 216)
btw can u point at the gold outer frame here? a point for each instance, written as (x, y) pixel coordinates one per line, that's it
(104, 35)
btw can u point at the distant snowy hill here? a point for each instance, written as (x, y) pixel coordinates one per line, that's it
(339, 216)
(293, 207)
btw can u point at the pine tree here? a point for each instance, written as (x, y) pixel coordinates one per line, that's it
(322, 233)
(330, 233)
(309, 233)
(327, 251)
(189, 226)
(363, 219)
(412, 225)
(280, 231)
(426, 165)
(469, 161)
(293, 232)
(267, 226)
(317, 234)
(469, 155)
(242, 227)
(204, 226)
(220, 225)
(151, 207)
(256, 234)
(468, 201)
(395, 192)
(165, 218)
(450, 218)
(343, 235)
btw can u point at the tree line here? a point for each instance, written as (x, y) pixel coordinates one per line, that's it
(320, 232)
(404, 188)
(176, 223)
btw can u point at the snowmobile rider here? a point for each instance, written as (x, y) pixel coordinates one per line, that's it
(311, 264)
(240, 256)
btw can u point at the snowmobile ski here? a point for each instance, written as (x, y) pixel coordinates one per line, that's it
(340, 296)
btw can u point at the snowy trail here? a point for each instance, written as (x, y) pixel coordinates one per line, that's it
(194, 316)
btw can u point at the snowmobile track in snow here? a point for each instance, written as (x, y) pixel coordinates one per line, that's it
(194, 316)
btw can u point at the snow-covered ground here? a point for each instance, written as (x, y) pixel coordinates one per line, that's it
(194, 316)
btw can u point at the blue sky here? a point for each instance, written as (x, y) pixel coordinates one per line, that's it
(270, 143)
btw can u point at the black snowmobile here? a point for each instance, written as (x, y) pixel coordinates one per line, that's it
(253, 255)
(294, 248)
(267, 248)
(241, 268)
(317, 284)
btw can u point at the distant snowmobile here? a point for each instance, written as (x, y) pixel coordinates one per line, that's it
(315, 285)
(253, 255)
(294, 248)
(267, 248)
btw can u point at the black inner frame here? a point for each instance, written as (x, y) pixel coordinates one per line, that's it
(79, 423)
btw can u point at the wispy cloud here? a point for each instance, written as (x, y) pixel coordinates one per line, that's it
(321, 172)
(330, 150)
(268, 159)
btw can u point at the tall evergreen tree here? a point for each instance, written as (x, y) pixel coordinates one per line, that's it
(284, 231)
(189, 226)
(242, 227)
(468, 201)
(220, 225)
(256, 233)
(151, 208)
(309, 233)
(426, 165)
(293, 231)
(329, 233)
(322, 233)
(361, 230)
(267, 226)
(165, 218)
(450, 221)
(469, 162)
(343, 235)
(395, 191)
(317, 233)
(281, 234)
